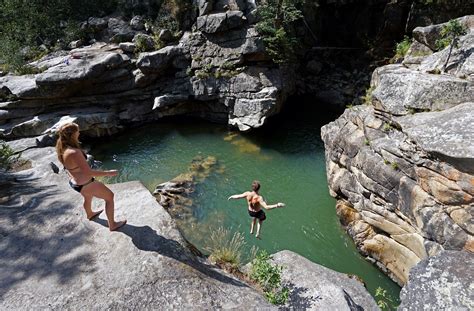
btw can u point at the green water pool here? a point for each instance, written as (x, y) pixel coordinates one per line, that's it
(287, 157)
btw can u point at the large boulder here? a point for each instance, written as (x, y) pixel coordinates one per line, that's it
(441, 282)
(314, 287)
(158, 61)
(220, 22)
(399, 91)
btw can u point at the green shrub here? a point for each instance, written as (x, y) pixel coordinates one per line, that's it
(189, 72)
(384, 301)
(402, 48)
(367, 98)
(268, 276)
(35, 22)
(450, 34)
(386, 127)
(7, 156)
(395, 166)
(276, 23)
(367, 142)
(224, 248)
(141, 44)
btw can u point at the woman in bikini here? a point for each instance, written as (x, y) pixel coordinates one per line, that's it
(255, 203)
(82, 176)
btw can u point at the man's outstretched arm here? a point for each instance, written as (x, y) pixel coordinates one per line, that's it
(238, 196)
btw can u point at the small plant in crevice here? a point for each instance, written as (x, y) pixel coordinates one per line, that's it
(367, 98)
(394, 166)
(384, 301)
(204, 72)
(367, 142)
(7, 156)
(386, 162)
(386, 127)
(402, 48)
(268, 276)
(189, 72)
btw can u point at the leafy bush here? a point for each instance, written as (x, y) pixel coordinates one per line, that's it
(367, 98)
(7, 156)
(141, 44)
(402, 48)
(35, 22)
(226, 249)
(450, 36)
(268, 276)
(384, 301)
(276, 27)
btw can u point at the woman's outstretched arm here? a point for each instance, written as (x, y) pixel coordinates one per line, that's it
(77, 156)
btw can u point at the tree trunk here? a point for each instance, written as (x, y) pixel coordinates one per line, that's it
(278, 16)
(453, 42)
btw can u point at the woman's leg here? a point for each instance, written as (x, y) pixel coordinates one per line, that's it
(252, 224)
(98, 189)
(88, 207)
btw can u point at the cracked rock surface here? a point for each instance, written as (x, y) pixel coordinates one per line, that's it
(402, 168)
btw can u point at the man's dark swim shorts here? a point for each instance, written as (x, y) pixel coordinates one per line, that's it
(260, 215)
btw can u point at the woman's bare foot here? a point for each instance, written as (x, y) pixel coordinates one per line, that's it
(94, 214)
(117, 225)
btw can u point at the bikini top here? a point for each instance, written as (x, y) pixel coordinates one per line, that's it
(71, 169)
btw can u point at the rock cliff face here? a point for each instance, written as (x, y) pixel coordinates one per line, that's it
(219, 72)
(402, 167)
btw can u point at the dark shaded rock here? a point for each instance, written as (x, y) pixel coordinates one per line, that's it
(137, 23)
(220, 22)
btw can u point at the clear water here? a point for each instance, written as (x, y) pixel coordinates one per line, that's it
(287, 157)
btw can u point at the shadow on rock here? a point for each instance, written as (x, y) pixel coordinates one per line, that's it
(32, 245)
(298, 301)
(147, 239)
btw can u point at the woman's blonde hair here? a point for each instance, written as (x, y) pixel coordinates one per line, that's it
(66, 139)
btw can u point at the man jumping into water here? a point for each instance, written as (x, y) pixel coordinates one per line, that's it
(255, 204)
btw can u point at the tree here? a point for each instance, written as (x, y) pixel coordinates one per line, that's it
(450, 35)
(276, 23)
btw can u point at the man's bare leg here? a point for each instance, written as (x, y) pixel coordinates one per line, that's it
(252, 224)
(258, 229)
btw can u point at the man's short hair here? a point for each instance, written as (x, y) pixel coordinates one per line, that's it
(255, 185)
